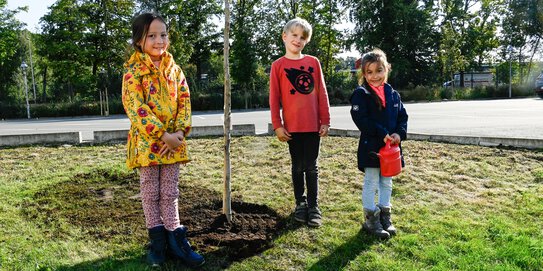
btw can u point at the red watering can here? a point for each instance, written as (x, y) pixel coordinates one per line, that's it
(390, 160)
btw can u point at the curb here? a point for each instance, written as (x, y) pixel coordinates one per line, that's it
(40, 139)
(464, 140)
(119, 136)
(111, 136)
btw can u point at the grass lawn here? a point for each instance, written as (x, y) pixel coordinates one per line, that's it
(456, 207)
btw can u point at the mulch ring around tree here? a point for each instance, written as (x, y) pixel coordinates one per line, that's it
(251, 230)
(106, 205)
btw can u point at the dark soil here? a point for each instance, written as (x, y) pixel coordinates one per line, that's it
(106, 205)
(250, 231)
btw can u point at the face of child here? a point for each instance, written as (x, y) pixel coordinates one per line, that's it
(294, 41)
(375, 74)
(156, 41)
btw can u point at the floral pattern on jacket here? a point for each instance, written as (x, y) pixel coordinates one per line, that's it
(156, 100)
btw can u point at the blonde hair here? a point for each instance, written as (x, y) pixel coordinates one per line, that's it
(374, 56)
(299, 22)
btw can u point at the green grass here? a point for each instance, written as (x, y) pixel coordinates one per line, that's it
(456, 207)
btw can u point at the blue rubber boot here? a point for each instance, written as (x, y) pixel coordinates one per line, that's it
(156, 255)
(180, 247)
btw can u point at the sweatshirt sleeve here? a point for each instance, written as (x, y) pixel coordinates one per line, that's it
(324, 104)
(275, 97)
(140, 114)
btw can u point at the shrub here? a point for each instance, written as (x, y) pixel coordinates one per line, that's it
(340, 86)
(12, 110)
(421, 93)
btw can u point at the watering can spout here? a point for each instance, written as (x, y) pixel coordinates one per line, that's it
(390, 160)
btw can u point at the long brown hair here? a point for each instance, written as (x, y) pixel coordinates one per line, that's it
(374, 56)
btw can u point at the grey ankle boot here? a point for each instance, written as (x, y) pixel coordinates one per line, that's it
(373, 225)
(386, 221)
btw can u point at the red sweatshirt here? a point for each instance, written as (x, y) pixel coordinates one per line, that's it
(298, 86)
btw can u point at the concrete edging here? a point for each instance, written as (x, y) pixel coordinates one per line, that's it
(33, 139)
(466, 140)
(114, 136)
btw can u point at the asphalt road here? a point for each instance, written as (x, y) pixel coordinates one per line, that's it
(506, 118)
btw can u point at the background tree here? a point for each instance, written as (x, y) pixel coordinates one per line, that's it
(404, 30)
(194, 42)
(327, 41)
(11, 54)
(468, 34)
(427, 41)
(108, 30)
(244, 61)
(79, 38)
(267, 36)
(193, 31)
(523, 29)
(65, 48)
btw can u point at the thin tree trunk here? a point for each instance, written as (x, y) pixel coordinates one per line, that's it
(227, 200)
(44, 84)
(329, 45)
(533, 54)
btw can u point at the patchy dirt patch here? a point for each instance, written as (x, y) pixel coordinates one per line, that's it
(250, 231)
(106, 205)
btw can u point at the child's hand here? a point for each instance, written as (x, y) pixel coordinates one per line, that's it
(171, 143)
(324, 130)
(282, 134)
(165, 151)
(172, 140)
(179, 134)
(394, 139)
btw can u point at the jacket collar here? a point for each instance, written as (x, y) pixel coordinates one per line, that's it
(142, 64)
(388, 89)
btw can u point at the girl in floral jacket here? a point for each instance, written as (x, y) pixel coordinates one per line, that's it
(156, 99)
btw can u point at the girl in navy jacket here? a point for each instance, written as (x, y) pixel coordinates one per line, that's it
(379, 114)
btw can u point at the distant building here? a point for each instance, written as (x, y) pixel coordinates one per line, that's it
(475, 79)
(484, 77)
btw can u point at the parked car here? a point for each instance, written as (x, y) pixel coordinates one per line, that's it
(539, 85)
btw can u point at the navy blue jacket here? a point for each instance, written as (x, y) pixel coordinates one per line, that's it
(375, 124)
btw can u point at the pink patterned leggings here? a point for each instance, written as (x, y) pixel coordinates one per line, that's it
(159, 193)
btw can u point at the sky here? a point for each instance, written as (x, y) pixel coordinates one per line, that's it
(36, 10)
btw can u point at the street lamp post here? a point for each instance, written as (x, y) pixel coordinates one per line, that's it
(510, 52)
(103, 72)
(24, 67)
(32, 68)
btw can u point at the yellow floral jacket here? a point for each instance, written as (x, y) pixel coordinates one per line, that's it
(156, 100)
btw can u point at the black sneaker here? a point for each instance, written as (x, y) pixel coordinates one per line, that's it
(314, 217)
(300, 213)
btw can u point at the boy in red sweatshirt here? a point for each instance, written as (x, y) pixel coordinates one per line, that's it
(297, 85)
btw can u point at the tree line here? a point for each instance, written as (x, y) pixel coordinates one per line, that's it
(81, 45)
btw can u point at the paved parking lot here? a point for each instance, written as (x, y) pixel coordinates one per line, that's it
(508, 118)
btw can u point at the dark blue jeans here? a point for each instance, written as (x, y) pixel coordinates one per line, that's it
(304, 152)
